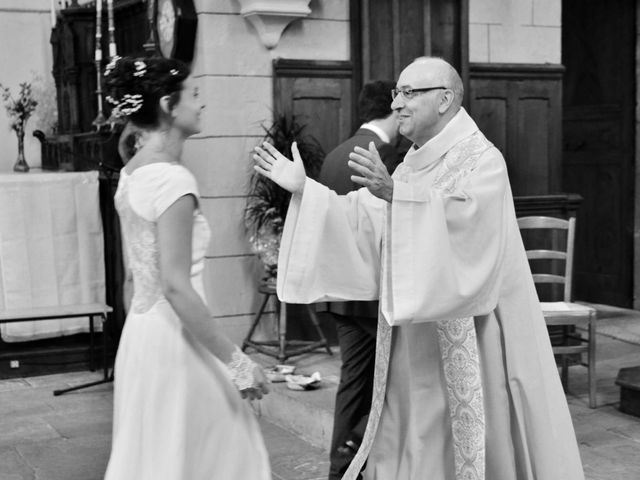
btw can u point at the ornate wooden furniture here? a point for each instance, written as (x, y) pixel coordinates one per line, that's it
(74, 70)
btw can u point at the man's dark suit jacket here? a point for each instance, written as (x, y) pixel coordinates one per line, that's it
(335, 172)
(336, 175)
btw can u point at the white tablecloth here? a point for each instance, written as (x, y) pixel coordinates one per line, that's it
(51, 248)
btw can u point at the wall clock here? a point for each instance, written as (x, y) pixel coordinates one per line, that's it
(175, 28)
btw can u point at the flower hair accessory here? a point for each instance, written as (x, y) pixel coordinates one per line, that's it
(128, 105)
(141, 68)
(111, 65)
(173, 72)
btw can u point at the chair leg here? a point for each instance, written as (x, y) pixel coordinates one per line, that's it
(256, 320)
(278, 307)
(592, 361)
(105, 353)
(92, 365)
(282, 332)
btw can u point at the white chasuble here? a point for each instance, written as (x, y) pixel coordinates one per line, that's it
(466, 386)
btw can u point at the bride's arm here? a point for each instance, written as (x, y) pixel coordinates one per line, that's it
(175, 227)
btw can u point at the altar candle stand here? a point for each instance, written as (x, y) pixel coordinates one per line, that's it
(53, 14)
(100, 119)
(112, 121)
(112, 39)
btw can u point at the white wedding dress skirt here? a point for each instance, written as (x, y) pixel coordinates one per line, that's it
(177, 415)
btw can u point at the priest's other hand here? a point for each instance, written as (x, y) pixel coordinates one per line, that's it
(372, 173)
(275, 166)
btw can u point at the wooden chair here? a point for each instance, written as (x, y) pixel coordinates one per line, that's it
(554, 265)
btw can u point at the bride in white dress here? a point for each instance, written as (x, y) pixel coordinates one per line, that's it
(179, 383)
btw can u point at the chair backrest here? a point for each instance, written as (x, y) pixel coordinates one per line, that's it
(555, 253)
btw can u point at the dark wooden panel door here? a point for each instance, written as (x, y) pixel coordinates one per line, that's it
(518, 107)
(598, 160)
(318, 94)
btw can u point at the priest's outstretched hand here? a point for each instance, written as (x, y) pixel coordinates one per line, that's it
(290, 175)
(371, 172)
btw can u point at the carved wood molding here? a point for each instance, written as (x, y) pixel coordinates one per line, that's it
(284, 67)
(515, 71)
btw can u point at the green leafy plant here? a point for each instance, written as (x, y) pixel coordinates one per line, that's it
(267, 203)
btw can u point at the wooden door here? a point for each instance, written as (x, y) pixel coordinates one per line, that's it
(318, 94)
(598, 51)
(519, 108)
(387, 35)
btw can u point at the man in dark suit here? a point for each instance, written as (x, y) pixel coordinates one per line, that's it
(356, 322)
(379, 127)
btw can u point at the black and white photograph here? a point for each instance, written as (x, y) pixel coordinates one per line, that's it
(319, 240)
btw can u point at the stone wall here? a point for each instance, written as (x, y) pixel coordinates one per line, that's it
(25, 28)
(234, 71)
(515, 31)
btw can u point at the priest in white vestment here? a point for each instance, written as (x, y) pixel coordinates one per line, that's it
(466, 385)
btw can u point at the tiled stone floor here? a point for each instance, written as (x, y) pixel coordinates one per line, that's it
(609, 440)
(43, 437)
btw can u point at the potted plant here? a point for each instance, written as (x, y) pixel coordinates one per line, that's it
(267, 203)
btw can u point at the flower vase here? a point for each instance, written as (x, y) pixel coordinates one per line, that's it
(21, 164)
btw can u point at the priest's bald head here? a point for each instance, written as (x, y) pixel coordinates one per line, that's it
(428, 94)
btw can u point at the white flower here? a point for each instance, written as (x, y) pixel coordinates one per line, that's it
(141, 68)
(128, 105)
(111, 65)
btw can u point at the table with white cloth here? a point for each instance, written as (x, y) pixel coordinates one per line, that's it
(51, 249)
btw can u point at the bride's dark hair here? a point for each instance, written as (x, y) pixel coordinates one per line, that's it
(135, 86)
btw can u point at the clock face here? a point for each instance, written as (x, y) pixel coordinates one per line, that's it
(166, 25)
(175, 27)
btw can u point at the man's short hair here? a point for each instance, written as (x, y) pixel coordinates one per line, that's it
(374, 101)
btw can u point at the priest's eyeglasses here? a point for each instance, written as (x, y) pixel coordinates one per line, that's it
(409, 93)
